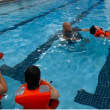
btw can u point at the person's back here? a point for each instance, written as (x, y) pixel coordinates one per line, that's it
(36, 93)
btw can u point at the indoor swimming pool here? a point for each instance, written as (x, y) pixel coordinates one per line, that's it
(29, 35)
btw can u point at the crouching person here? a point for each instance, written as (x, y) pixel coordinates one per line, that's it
(36, 93)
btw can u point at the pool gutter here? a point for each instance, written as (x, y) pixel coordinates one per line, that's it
(6, 1)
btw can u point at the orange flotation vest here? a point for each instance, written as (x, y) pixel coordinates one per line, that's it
(1, 97)
(33, 99)
(99, 32)
(1, 55)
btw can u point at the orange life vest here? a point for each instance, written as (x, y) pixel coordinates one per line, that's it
(99, 32)
(1, 55)
(1, 97)
(33, 99)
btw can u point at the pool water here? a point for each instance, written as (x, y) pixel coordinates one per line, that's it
(24, 30)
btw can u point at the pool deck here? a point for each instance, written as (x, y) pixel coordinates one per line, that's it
(6, 1)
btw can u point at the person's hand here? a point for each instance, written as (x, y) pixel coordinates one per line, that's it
(108, 37)
(45, 81)
(74, 39)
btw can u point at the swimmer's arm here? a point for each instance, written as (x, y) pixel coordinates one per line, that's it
(102, 36)
(66, 38)
(54, 92)
(3, 85)
(69, 38)
(108, 38)
(85, 30)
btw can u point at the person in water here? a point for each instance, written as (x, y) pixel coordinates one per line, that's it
(3, 86)
(37, 93)
(99, 32)
(69, 32)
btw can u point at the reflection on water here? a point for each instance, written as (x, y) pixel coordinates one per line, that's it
(78, 46)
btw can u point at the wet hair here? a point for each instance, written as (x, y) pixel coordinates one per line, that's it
(32, 77)
(92, 30)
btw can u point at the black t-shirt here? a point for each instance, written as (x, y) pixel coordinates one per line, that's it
(72, 33)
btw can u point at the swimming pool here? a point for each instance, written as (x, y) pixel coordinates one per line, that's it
(28, 36)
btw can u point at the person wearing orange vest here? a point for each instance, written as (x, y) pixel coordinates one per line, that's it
(36, 93)
(99, 32)
(3, 86)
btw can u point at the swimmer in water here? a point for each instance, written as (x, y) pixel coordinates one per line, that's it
(69, 32)
(99, 32)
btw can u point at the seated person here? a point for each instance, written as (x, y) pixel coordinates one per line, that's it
(69, 32)
(3, 86)
(37, 93)
(99, 32)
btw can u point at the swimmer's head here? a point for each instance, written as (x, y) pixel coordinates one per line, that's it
(67, 26)
(93, 29)
(32, 77)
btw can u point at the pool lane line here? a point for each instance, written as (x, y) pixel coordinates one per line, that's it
(100, 99)
(33, 18)
(24, 7)
(17, 72)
